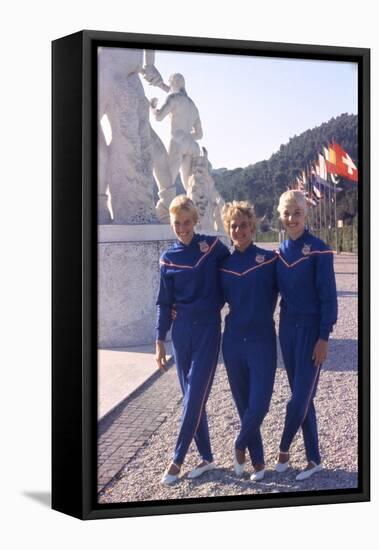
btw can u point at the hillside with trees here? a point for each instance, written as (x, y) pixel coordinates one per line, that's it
(263, 182)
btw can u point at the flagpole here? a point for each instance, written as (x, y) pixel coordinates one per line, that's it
(321, 228)
(330, 217)
(325, 194)
(318, 213)
(335, 202)
(335, 214)
(311, 207)
(310, 194)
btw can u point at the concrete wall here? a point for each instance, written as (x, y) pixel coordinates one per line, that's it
(128, 260)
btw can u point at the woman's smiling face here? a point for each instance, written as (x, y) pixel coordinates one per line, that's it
(293, 219)
(183, 224)
(241, 231)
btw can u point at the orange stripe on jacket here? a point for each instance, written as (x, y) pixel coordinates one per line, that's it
(171, 264)
(305, 257)
(248, 270)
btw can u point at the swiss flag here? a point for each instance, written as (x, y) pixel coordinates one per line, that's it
(340, 163)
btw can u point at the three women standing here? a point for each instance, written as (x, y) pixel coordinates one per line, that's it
(192, 271)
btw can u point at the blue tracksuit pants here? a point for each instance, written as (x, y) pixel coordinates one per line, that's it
(251, 366)
(196, 348)
(297, 344)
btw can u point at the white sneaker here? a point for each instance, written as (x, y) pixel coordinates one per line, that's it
(238, 468)
(282, 466)
(305, 474)
(169, 479)
(197, 472)
(258, 476)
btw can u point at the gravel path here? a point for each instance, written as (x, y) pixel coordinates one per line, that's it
(336, 405)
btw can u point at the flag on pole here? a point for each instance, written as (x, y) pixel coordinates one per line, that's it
(340, 163)
(315, 184)
(332, 154)
(321, 168)
(321, 176)
(300, 184)
(310, 200)
(330, 158)
(317, 192)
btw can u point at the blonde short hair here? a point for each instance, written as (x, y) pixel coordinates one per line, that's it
(238, 208)
(183, 203)
(292, 197)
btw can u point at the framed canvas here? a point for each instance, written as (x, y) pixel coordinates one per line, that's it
(138, 120)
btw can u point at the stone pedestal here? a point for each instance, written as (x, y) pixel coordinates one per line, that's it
(128, 264)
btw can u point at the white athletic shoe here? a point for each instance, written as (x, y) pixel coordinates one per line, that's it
(169, 479)
(200, 470)
(282, 466)
(258, 476)
(238, 468)
(305, 474)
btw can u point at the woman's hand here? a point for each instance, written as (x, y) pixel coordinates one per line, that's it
(160, 355)
(320, 352)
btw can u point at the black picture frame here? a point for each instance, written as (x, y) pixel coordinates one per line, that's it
(74, 272)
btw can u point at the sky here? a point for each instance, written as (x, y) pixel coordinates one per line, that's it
(249, 106)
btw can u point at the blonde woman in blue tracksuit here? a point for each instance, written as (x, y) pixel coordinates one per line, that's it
(308, 312)
(248, 281)
(189, 281)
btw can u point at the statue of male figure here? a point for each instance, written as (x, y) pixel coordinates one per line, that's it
(185, 128)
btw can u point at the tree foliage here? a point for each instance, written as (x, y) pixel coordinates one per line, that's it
(263, 182)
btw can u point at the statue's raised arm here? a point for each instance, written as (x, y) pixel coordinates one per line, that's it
(150, 73)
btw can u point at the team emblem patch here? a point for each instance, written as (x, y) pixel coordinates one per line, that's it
(204, 246)
(259, 258)
(306, 249)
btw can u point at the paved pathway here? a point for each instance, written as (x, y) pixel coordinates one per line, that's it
(130, 425)
(122, 371)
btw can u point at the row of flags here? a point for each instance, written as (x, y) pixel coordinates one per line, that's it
(324, 174)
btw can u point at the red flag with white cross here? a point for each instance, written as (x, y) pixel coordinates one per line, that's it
(341, 163)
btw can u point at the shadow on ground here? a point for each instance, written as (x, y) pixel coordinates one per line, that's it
(342, 356)
(272, 482)
(41, 497)
(347, 294)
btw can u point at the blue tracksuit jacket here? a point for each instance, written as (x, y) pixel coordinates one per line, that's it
(307, 283)
(189, 280)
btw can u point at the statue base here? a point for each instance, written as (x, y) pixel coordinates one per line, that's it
(128, 280)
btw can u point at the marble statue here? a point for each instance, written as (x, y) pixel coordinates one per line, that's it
(202, 190)
(185, 156)
(186, 128)
(129, 151)
(131, 154)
